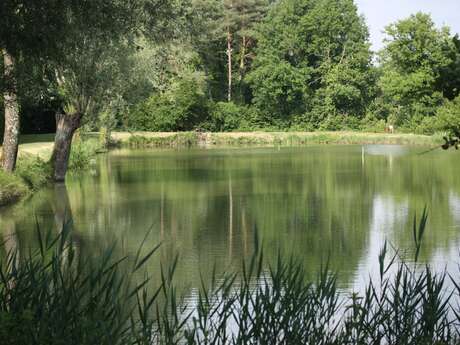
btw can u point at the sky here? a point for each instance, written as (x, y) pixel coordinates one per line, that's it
(380, 13)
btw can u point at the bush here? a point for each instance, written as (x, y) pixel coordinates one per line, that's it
(34, 171)
(428, 125)
(83, 151)
(182, 108)
(372, 124)
(12, 188)
(224, 117)
(340, 122)
(449, 116)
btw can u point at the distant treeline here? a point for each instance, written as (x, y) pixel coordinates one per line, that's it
(295, 64)
(289, 64)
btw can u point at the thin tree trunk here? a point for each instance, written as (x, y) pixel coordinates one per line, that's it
(10, 99)
(229, 62)
(66, 125)
(243, 58)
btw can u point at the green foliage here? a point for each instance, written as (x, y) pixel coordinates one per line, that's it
(82, 154)
(180, 108)
(12, 188)
(415, 54)
(53, 295)
(224, 117)
(448, 116)
(34, 171)
(296, 65)
(312, 62)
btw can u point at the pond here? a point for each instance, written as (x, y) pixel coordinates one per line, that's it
(212, 207)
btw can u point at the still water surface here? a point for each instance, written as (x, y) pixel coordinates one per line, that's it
(336, 203)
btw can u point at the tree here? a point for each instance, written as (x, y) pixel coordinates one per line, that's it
(97, 35)
(10, 101)
(75, 43)
(224, 28)
(415, 54)
(312, 62)
(449, 80)
(28, 34)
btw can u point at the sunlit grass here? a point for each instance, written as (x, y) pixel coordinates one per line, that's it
(191, 139)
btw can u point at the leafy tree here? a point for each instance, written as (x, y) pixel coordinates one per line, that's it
(80, 44)
(98, 34)
(415, 54)
(29, 34)
(312, 62)
(449, 81)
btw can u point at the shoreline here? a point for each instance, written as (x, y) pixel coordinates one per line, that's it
(13, 188)
(241, 139)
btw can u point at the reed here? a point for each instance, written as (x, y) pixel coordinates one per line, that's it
(56, 295)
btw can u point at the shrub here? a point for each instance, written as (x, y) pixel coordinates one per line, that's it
(224, 117)
(181, 108)
(428, 125)
(12, 188)
(83, 151)
(34, 171)
(372, 124)
(340, 122)
(449, 116)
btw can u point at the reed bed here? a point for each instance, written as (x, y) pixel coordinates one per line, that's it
(56, 295)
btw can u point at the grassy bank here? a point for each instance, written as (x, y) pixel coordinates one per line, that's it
(33, 169)
(31, 173)
(192, 139)
(59, 295)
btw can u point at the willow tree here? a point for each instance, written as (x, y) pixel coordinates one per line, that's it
(73, 44)
(97, 35)
(84, 78)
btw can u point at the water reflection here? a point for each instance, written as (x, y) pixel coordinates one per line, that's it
(316, 204)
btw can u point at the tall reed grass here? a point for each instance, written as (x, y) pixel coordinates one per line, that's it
(57, 295)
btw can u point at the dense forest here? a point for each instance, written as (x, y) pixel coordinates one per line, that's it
(220, 65)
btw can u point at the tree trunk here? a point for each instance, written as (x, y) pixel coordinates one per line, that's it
(243, 58)
(66, 125)
(229, 62)
(10, 99)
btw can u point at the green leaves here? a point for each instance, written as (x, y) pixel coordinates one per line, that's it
(415, 54)
(312, 60)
